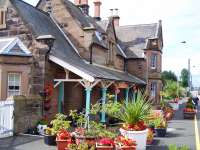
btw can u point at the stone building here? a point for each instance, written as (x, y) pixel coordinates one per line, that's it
(90, 57)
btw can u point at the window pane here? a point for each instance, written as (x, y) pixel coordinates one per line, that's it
(11, 77)
(17, 77)
(14, 84)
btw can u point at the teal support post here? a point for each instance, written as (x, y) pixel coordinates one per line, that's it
(115, 96)
(88, 97)
(60, 96)
(127, 95)
(103, 115)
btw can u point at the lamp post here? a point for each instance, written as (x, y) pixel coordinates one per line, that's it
(49, 41)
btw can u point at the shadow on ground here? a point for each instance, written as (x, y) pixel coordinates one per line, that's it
(11, 142)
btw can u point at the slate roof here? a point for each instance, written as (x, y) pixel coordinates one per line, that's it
(41, 24)
(103, 24)
(133, 39)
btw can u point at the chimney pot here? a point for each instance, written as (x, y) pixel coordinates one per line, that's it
(97, 9)
(116, 11)
(111, 12)
(77, 2)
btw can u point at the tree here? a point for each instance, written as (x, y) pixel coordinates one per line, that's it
(184, 77)
(172, 90)
(168, 75)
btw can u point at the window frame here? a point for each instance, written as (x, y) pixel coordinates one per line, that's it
(153, 89)
(154, 60)
(14, 83)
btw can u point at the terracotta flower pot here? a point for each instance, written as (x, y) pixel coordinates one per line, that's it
(89, 140)
(62, 144)
(118, 147)
(189, 115)
(149, 142)
(104, 147)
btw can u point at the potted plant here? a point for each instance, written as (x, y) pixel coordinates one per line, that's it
(42, 125)
(123, 143)
(174, 104)
(160, 126)
(63, 139)
(189, 111)
(60, 124)
(133, 115)
(105, 144)
(49, 137)
(150, 136)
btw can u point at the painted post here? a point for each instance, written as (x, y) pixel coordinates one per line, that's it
(60, 96)
(115, 96)
(88, 96)
(127, 95)
(103, 115)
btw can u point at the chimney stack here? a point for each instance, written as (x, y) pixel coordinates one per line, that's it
(48, 6)
(77, 2)
(116, 17)
(97, 10)
(83, 5)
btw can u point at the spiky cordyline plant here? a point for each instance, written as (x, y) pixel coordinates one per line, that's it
(136, 110)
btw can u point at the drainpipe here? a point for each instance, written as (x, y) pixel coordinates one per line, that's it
(90, 48)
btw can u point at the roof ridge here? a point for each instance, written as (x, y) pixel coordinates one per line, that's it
(137, 25)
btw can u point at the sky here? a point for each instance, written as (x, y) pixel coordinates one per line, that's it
(180, 20)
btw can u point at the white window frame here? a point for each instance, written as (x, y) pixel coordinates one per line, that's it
(153, 89)
(14, 84)
(153, 63)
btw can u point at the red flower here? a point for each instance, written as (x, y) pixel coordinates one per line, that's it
(106, 142)
(63, 135)
(123, 141)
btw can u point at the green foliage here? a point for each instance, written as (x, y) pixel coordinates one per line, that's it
(168, 75)
(190, 104)
(79, 118)
(184, 77)
(60, 122)
(81, 146)
(99, 130)
(172, 90)
(130, 113)
(159, 122)
(111, 108)
(174, 147)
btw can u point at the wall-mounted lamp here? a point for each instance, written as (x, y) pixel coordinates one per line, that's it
(48, 40)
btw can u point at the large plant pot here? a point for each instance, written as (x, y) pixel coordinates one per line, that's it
(175, 106)
(41, 129)
(101, 147)
(117, 147)
(62, 144)
(189, 115)
(160, 132)
(50, 140)
(139, 136)
(84, 139)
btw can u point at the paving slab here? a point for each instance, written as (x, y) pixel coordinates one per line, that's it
(24, 142)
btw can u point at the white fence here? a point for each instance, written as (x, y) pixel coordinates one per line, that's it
(6, 118)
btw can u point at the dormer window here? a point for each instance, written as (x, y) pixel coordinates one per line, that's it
(2, 18)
